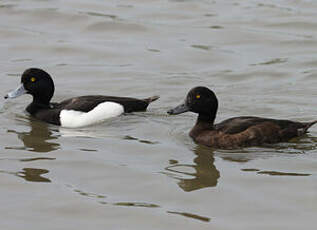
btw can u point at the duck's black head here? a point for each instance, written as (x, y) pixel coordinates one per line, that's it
(199, 100)
(36, 82)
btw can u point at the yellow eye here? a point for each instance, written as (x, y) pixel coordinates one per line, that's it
(33, 79)
(197, 96)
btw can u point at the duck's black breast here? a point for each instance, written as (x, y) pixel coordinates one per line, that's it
(47, 113)
(87, 103)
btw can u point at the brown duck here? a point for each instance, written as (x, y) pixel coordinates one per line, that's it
(237, 131)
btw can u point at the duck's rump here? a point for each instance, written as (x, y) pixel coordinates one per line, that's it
(87, 103)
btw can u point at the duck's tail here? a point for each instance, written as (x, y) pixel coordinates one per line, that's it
(308, 125)
(151, 99)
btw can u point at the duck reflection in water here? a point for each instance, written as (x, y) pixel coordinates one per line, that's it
(30, 174)
(33, 175)
(37, 139)
(205, 175)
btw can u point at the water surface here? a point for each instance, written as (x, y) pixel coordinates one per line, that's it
(142, 171)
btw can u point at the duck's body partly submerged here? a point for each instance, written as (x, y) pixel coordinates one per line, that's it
(247, 131)
(238, 131)
(74, 112)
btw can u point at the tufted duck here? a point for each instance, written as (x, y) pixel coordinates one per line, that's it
(74, 112)
(237, 131)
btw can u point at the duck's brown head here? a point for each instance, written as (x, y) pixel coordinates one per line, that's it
(199, 100)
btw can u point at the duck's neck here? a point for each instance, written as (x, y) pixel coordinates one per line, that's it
(203, 123)
(37, 105)
(206, 118)
(40, 101)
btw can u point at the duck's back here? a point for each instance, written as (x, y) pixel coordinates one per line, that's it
(251, 131)
(87, 103)
(88, 110)
(239, 124)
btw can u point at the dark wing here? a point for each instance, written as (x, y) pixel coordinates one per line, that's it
(87, 103)
(240, 124)
(252, 131)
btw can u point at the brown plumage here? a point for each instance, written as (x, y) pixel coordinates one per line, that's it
(238, 131)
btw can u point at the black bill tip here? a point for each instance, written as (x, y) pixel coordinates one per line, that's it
(178, 109)
(170, 112)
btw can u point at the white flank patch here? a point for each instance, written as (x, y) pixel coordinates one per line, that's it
(103, 111)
